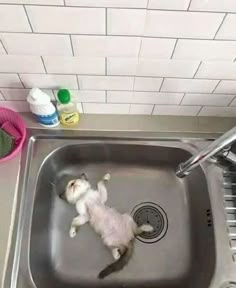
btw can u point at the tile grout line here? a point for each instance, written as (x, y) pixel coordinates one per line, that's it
(231, 102)
(64, 1)
(118, 7)
(153, 108)
(197, 70)
(77, 80)
(105, 66)
(44, 64)
(106, 96)
(4, 47)
(118, 90)
(28, 18)
(180, 103)
(118, 75)
(215, 87)
(172, 54)
(190, 2)
(220, 26)
(72, 46)
(18, 74)
(116, 35)
(163, 79)
(139, 103)
(82, 106)
(106, 24)
(4, 98)
(199, 111)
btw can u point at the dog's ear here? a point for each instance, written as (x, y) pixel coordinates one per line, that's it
(83, 177)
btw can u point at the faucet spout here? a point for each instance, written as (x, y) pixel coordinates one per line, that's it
(213, 149)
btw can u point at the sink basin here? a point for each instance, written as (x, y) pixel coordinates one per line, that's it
(180, 253)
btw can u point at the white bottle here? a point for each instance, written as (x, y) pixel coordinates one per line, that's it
(42, 108)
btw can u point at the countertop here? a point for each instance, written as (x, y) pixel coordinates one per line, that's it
(168, 125)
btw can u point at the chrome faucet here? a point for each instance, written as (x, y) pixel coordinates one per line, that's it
(220, 147)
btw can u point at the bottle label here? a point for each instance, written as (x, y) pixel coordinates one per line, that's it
(47, 119)
(69, 118)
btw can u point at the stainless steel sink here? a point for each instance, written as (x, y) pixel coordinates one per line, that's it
(188, 248)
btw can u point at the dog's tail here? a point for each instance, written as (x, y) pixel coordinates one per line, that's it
(143, 228)
(120, 263)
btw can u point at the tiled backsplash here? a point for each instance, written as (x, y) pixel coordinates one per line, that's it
(161, 57)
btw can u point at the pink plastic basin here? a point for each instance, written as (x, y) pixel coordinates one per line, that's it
(15, 119)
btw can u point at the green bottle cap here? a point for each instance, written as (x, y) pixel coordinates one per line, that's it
(63, 96)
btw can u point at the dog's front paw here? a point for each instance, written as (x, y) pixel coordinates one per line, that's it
(107, 177)
(72, 232)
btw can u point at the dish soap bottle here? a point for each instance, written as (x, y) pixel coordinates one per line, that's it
(68, 112)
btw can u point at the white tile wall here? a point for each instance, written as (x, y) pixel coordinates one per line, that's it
(36, 44)
(218, 111)
(226, 31)
(105, 83)
(126, 21)
(122, 66)
(141, 109)
(217, 70)
(21, 94)
(119, 96)
(147, 84)
(13, 19)
(67, 20)
(157, 48)
(169, 5)
(189, 85)
(205, 50)
(34, 2)
(207, 99)
(99, 108)
(109, 3)
(180, 24)
(143, 97)
(21, 64)
(48, 81)
(2, 50)
(226, 86)
(19, 106)
(75, 65)
(167, 68)
(106, 46)
(214, 5)
(10, 80)
(165, 57)
(233, 103)
(176, 110)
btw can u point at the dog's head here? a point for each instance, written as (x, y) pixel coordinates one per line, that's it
(75, 189)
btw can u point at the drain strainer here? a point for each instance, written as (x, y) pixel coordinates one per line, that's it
(153, 214)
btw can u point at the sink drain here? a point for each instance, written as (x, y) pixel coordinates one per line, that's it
(153, 214)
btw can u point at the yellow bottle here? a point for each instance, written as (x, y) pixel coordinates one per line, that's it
(68, 113)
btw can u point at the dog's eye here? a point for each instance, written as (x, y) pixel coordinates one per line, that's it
(72, 184)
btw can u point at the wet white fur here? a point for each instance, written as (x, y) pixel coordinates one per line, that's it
(115, 229)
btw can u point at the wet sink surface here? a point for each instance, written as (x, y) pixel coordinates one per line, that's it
(182, 257)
